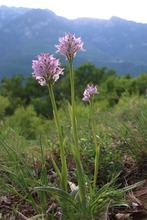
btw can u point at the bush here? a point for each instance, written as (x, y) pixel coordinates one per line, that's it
(25, 122)
(4, 104)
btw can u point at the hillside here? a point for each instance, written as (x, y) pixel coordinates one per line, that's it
(25, 33)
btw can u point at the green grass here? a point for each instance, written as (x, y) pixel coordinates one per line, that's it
(120, 130)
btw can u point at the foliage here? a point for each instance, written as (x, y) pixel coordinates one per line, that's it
(111, 129)
(4, 105)
(25, 122)
(19, 178)
(25, 91)
(132, 131)
(83, 193)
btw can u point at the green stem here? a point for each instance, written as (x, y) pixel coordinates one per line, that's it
(63, 175)
(80, 171)
(96, 162)
(96, 144)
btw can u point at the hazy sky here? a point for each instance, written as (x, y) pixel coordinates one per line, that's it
(135, 10)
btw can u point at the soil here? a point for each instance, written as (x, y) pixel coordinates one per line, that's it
(137, 198)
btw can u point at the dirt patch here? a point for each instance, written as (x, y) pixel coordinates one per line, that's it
(136, 198)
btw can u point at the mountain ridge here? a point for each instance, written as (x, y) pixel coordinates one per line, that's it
(25, 33)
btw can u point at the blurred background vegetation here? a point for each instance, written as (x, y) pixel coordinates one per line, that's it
(20, 92)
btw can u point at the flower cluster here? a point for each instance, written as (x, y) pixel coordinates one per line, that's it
(90, 90)
(46, 68)
(69, 45)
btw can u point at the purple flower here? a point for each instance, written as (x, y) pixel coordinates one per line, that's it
(46, 68)
(90, 90)
(69, 45)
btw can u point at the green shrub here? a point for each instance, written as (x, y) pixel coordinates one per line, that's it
(25, 122)
(4, 103)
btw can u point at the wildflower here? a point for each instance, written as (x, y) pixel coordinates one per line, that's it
(90, 90)
(46, 68)
(69, 45)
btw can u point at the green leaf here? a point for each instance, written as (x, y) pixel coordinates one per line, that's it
(133, 186)
(58, 192)
(56, 168)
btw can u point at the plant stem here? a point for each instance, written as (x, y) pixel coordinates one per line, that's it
(79, 166)
(63, 175)
(96, 144)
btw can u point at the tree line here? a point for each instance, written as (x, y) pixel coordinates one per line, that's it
(24, 91)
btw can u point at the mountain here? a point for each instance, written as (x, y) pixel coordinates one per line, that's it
(25, 33)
